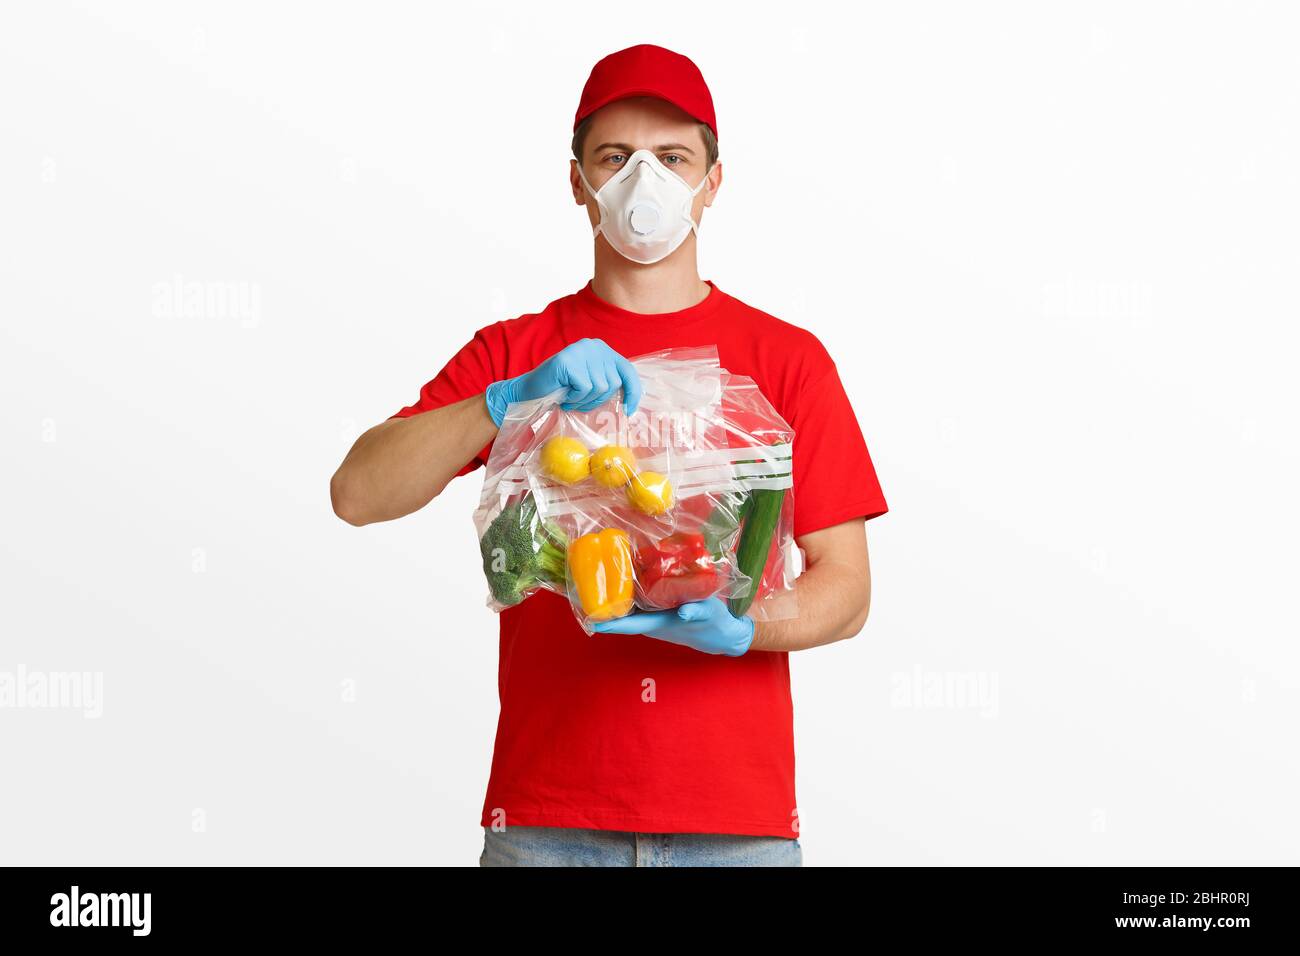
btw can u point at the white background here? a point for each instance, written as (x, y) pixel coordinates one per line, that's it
(1053, 249)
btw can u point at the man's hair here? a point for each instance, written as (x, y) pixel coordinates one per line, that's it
(710, 141)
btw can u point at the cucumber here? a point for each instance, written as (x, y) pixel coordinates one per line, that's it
(724, 521)
(762, 513)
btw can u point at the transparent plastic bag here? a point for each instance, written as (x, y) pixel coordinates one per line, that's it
(761, 459)
(652, 509)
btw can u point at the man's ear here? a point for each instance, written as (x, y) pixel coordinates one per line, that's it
(714, 182)
(575, 182)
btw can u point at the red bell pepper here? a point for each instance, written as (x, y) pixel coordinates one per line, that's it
(675, 571)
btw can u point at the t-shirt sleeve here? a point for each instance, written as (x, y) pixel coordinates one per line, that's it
(834, 478)
(470, 372)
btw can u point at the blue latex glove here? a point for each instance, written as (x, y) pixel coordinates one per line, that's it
(706, 626)
(589, 369)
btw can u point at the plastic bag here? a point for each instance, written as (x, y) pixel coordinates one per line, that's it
(670, 505)
(761, 460)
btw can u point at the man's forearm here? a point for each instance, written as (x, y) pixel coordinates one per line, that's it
(401, 465)
(834, 595)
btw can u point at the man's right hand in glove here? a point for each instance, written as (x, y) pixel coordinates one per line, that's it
(590, 372)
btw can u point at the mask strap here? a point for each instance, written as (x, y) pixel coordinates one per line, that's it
(595, 230)
(695, 226)
(583, 177)
(704, 180)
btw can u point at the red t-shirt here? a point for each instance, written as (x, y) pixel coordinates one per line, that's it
(580, 742)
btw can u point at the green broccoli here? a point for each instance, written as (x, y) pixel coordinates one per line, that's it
(521, 552)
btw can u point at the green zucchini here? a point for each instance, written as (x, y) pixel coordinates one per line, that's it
(762, 514)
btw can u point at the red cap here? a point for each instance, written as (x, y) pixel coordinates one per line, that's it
(648, 70)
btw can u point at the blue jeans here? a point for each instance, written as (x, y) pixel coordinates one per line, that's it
(562, 846)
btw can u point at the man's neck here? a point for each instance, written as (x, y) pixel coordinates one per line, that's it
(669, 285)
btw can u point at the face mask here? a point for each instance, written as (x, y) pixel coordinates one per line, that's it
(645, 208)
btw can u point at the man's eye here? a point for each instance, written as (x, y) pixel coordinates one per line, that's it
(672, 159)
(615, 158)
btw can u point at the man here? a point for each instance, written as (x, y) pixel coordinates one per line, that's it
(589, 768)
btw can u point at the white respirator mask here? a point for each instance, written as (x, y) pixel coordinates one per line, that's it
(645, 208)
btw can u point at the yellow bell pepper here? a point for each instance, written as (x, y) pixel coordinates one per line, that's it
(600, 566)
